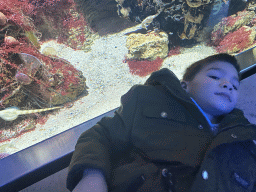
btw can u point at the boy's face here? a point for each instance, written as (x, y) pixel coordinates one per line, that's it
(211, 84)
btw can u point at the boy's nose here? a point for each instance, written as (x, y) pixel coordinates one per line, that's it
(226, 84)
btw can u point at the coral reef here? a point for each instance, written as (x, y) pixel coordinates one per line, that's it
(79, 35)
(55, 19)
(53, 80)
(28, 79)
(234, 33)
(230, 24)
(237, 41)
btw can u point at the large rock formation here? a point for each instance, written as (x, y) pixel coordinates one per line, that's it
(147, 46)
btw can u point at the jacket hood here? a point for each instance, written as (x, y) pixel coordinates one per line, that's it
(169, 80)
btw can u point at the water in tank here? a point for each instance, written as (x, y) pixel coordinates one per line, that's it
(64, 62)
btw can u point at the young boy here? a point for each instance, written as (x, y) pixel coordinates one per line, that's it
(169, 135)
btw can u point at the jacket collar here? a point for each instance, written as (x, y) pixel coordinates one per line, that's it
(208, 120)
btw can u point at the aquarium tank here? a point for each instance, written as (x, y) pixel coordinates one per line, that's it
(64, 62)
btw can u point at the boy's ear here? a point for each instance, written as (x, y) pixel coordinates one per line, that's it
(184, 85)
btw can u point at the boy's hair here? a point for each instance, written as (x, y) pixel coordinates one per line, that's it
(194, 68)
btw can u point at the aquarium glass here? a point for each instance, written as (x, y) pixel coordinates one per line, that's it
(64, 62)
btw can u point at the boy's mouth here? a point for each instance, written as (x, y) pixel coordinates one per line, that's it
(224, 95)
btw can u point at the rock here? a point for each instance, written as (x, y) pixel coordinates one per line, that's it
(147, 46)
(11, 41)
(251, 6)
(16, 128)
(66, 83)
(3, 19)
(102, 16)
(97, 10)
(182, 19)
(197, 3)
(49, 51)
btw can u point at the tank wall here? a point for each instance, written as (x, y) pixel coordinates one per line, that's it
(53, 183)
(247, 98)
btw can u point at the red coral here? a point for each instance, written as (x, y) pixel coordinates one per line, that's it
(76, 24)
(144, 67)
(12, 9)
(47, 6)
(231, 20)
(50, 16)
(237, 40)
(216, 37)
(226, 23)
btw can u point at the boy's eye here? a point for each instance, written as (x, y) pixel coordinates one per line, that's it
(217, 78)
(214, 77)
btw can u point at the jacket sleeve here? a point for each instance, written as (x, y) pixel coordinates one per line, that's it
(95, 147)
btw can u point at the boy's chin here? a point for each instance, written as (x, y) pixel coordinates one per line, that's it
(222, 111)
(223, 108)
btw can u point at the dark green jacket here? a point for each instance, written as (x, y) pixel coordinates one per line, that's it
(156, 128)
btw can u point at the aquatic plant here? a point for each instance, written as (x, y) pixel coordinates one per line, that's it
(143, 67)
(32, 38)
